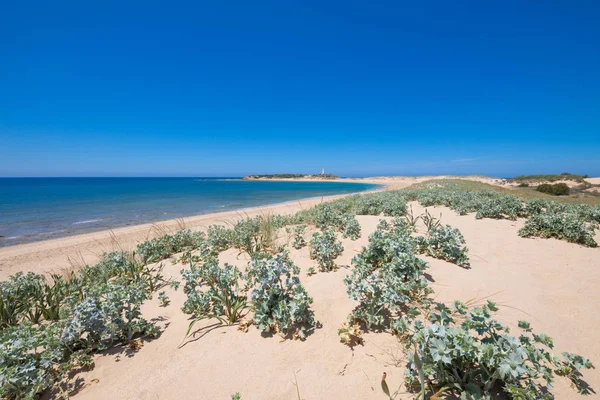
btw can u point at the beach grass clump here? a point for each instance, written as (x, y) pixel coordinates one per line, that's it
(568, 226)
(213, 292)
(280, 302)
(445, 243)
(557, 189)
(21, 298)
(325, 248)
(124, 266)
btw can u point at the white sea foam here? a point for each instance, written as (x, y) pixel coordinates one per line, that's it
(89, 221)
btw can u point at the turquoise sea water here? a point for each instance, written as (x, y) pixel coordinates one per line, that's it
(40, 208)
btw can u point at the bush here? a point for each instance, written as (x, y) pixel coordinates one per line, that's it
(219, 238)
(47, 328)
(350, 227)
(325, 248)
(298, 241)
(557, 189)
(249, 235)
(523, 185)
(110, 314)
(30, 357)
(446, 243)
(280, 302)
(221, 298)
(472, 355)
(165, 246)
(564, 226)
(387, 277)
(325, 216)
(507, 206)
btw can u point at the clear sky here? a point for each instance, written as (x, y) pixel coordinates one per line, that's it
(228, 88)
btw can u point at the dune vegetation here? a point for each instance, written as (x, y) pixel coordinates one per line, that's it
(51, 326)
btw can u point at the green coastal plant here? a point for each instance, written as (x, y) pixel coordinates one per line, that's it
(468, 353)
(255, 235)
(350, 227)
(430, 221)
(411, 220)
(213, 292)
(219, 238)
(557, 189)
(280, 302)
(163, 299)
(564, 226)
(387, 277)
(298, 237)
(325, 248)
(166, 245)
(446, 243)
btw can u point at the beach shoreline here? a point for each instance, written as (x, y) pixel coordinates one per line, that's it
(77, 250)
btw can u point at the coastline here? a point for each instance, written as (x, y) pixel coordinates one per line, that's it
(77, 250)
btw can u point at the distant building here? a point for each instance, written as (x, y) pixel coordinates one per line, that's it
(322, 170)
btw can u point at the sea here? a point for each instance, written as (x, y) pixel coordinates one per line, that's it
(33, 209)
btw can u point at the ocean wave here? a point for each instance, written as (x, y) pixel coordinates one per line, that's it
(89, 221)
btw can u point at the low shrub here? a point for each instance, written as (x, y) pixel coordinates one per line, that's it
(280, 302)
(31, 359)
(109, 314)
(471, 355)
(445, 243)
(219, 238)
(350, 227)
(298, 237)
(564, 226)
(387, 277)
(165, 246)
(557, 189)
(502, 207)
(249, 237)
(220, 297)
(325, 248)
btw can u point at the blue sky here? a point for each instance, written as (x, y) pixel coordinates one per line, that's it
(363, 88)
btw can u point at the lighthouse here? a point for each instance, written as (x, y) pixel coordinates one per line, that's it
(322, 170)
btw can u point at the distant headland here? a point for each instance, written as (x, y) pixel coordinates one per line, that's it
(292, 176)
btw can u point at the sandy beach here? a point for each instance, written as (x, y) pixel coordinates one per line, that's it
(298, 201)
(78, 250)
(548, 282)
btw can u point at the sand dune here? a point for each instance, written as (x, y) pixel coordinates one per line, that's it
(548, 282)
(552, 284)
